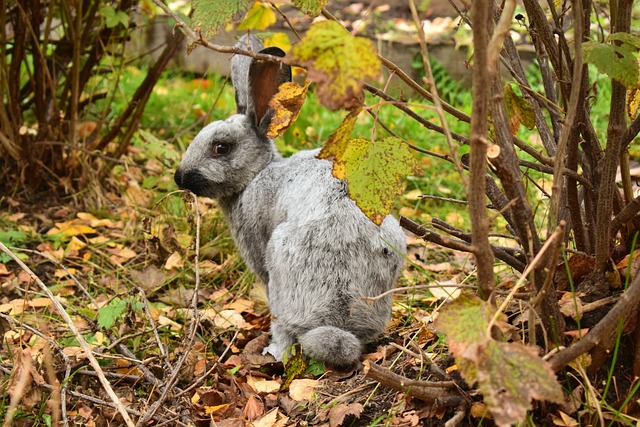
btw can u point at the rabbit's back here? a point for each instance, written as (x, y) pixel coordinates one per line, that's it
(314, 248)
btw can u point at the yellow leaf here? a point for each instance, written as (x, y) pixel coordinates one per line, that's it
(633, 102)
(213, 409)
(95, 222)
(286, 104)
(260, 17)
(280, 40)
(76, 244)
(71, 230)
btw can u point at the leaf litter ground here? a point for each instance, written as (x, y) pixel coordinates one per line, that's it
(125, 273)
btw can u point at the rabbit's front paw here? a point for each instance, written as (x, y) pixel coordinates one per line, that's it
(274, 350)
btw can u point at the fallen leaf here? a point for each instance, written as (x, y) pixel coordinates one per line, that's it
(150, 278)
(269, 420)
(39, 302)
(174, 261)
(262, 385)
(230, 318)
(303, 389)
(3, 270)
(564, 420)
(164, 321)
(95, 222)
(338, 413)
(479, 410)
(69, 229)
(239, 305)
(253, 408)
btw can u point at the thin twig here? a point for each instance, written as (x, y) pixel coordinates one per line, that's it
(195, 321)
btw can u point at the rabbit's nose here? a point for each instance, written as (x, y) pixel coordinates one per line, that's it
(177, 177)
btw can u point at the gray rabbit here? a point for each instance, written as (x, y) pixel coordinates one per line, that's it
(295, 225)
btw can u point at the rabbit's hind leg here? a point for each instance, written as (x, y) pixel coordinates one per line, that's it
(281, 339)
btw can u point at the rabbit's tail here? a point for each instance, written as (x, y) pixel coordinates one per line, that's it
(334, 346)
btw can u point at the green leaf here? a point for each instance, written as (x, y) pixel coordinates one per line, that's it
(625, 38)
(373, 170)
(111, 312)
(312, 8)
(113, 17)
(338, 62)
(260, 17)
(115, 310)
(13, 237)
(509, 376)
(518, 110)
(211, 16)
(620, 62)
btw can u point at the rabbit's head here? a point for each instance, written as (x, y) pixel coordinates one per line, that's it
(227, 155)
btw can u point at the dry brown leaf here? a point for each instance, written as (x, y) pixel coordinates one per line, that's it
(150, 277)
(338, 413)
(253, 409)
(25, 378)
(269, 420)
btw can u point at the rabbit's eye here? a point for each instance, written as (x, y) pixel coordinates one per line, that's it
(220, 149)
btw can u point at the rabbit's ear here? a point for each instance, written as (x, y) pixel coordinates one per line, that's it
(240, 70)
(264, 79)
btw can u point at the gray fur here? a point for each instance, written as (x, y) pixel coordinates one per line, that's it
(298, 230)
(240, 71)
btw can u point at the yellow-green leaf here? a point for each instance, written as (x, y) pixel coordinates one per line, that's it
(465, 321)
(618, 61)
(286, 103)
(338, 62)
(211, 16)
(518, 110)
(338, 142)
(260, 17)
(633, 102)
(509, 376)
(280, 40)
(295, 365)
(373, 170)
(310, 7)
